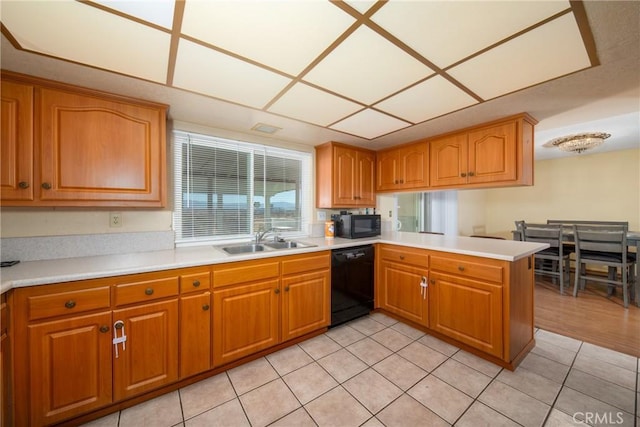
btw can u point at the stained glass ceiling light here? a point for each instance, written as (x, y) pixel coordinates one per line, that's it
(579, 142)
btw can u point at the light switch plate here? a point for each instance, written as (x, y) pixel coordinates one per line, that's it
(322, 216)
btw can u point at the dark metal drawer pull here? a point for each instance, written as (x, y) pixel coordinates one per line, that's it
(70, 304)
(149, 291)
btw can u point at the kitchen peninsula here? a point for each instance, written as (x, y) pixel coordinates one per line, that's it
(208, 311)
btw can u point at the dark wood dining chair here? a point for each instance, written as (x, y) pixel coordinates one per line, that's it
(605, 246)
(556, 254)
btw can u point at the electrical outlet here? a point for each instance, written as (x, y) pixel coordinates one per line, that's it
(115, 219)
(322, 216)
(390, 214)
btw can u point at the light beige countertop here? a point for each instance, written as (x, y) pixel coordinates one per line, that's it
(32, 273)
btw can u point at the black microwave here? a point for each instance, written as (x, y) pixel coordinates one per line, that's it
(357, 226)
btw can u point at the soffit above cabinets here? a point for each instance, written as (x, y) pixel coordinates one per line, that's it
(363, 68)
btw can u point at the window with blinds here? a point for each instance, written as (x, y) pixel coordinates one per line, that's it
(228, 189)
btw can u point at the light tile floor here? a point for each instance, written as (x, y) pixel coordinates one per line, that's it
(375, 371)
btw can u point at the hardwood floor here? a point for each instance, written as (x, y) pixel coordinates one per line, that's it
(591, 316)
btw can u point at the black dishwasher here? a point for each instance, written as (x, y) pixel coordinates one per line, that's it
(351, 283)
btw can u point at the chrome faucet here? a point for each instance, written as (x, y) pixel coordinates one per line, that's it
(260, 234)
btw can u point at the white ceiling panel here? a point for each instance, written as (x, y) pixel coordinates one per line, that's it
(306, 103)
(552, 50)
(366, 67)
(160, 12)
(431, 98)
(90, 37)
(206, 71)
(284, 35)
(361, 5)
(446, 32)
(369, 124)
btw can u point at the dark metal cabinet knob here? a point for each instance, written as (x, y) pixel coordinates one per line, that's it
(276, 290)
(23, 184)
(196, 283)
(46, 186)
(205, 307)
(471, 173)
(104, 329)
(463, 174)
(148, 291)
(70, 304)
(461, 267)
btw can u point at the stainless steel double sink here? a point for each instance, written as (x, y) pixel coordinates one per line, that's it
(247, 248)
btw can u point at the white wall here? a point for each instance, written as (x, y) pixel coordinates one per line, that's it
(603, 186)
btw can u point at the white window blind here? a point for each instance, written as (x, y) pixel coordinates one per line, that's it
(228, 189)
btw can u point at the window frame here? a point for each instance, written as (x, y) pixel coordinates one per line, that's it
(182, 137)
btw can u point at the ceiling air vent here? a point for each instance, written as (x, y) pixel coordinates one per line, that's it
(261, 127)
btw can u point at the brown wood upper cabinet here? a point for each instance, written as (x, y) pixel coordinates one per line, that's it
(345, 176)
(69, 146)
(403, 168)
(496, 154)
(16, 142)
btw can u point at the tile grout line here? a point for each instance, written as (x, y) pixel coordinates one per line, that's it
(386, 327)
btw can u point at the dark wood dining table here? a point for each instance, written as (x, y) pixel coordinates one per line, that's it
(633, 237)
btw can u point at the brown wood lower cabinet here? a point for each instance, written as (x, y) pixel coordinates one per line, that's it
(195, 334)
(264, 303)
(6, 400)
(69, 368)
(177, 323)
(148, 358)
(484, 304)
(306, 300)
(468, 311)
(245, 320)
(402, 272)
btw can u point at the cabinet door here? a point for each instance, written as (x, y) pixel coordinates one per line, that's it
(100, 150)
(414, 166)
(387, 170)
(306, 303)
(493, 154)
(69, 367)
(5, 417)
(401, 292)
(366, 179)
(448, 161)
(16, 142)
(6, 401)
(245, 320)
(468, 311)
(149, 357)
(195, 334)
(344, 176)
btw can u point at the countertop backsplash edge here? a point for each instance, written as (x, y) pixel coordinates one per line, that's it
(82, 245)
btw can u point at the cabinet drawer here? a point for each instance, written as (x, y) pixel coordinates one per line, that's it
(72, 302)
(308, 262)
(466, 268)
(195, 282)
(148, 290)
(405, 255)
(246, 271)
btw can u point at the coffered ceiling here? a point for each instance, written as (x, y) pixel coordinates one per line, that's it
(364, 72)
